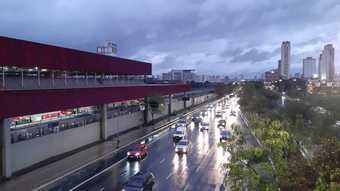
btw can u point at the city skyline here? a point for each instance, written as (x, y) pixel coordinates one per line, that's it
(208, 36)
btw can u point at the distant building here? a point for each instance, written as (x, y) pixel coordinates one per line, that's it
(297, 75)
(226, 79)
(326, 63)
(179, 75)
(166, 76)
(271, 76)
(279, 66)
(285, 59)
(109, 49)
(309, 67)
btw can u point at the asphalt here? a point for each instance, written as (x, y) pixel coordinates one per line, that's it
(200, 169)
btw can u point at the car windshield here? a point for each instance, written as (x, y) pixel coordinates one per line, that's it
(205, 124)
(136, 147)
(225, 133)
(182, 143)
(136, 182)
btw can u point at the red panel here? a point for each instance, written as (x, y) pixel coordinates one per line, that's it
(27, 54)
(25, 102)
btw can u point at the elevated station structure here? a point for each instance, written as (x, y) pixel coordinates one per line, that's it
(54, 84)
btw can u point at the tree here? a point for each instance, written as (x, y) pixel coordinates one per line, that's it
(156, 104)
(327, 163)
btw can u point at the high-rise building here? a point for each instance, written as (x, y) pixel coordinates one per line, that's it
(271, 76)
(109, 49)
(326, 63)
(285, 59)
(309, 67)
(279, 67)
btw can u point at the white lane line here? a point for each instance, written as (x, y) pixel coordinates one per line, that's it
(108, 168)
(102, 189)
(162, 161)
(105, 155)
(98, 174)
(161, 128)
(169, 176)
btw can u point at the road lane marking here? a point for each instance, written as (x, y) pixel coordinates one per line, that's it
(169, 176)
(98, 174)
(161, 128)
(162, 161)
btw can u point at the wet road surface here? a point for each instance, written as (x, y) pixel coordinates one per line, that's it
(200, 169)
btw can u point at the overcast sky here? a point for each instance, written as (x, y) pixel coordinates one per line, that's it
(210, 36)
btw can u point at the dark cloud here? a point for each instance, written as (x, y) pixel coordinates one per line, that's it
(253, 55)
(210, 36)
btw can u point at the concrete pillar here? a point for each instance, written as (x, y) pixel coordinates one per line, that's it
(103, 122)
(146, 110)
(184, 100)
(170, 105)
(5, 141)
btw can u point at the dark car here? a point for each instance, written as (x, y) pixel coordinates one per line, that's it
(225, 136)
(233, 113)
(222, 123)
(137, 151)
(218, 114)
(141, 181)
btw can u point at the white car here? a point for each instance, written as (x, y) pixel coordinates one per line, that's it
(183, 146)
(204, 126)
(179, 133)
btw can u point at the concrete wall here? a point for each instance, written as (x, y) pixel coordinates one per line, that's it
(125, 122)
(27, 153)
(42, 148)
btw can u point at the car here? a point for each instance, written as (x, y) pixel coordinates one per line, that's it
(179, 133)
(181, 124)
(204, 126)
(137, 151)
(204, 113)
(218, 114)
(197, 120)
(183, 146)
(222, 123)
(141, 181)
(225, 136)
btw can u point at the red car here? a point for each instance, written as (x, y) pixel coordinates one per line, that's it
(137, 151)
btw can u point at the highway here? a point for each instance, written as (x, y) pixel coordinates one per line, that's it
(199, 169)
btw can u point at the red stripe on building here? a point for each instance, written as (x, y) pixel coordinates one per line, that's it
(26, 54)
(26, 102)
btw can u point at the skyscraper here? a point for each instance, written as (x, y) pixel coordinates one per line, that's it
(279, 67)
(326, 63)
(285, 59)
(309, 67)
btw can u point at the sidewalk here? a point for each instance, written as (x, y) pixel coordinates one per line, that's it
(47, 173)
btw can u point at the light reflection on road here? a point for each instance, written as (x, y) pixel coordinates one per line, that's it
(180, 168)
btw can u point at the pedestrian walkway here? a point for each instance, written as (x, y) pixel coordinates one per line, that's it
(59, 168)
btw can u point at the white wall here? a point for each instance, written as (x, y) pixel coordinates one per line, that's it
(42, 148)
(124, 122)
(30, 152)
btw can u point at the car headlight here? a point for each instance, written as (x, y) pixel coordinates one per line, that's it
(176, 149)
(137, 154)
(128, 153)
